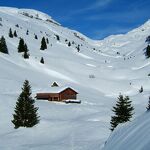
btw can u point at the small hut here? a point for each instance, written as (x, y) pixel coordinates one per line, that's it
(57, 93)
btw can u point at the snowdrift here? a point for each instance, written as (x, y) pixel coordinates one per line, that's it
(132, 136)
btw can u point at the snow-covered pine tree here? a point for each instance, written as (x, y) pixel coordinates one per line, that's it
(69, 44)
(25, 112)
(54, 84)
(47, 40)
(10, 33)
(43, 44)
(57, 37)
(78, 48)
(148, 39)
(27, 33)
(17, 25)
(35, 36)
(3, 46)
(21, 46)
(148, 107)
(147, 53)
(26, 54)
(15, 34)
(42, 60)
(141, 89)
(123, 111)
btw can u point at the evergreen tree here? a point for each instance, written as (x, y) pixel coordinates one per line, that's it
(43, 44)
(141, 89)
(78, 48)
(21, 46)
(69, 44)
(25, 112)
(148, 51)
(148, 39)
(10, 33)
(123, 111)
(17, 25)
(54, 85)
(15, 34)
(3, 46)
(42, 60)
(35, 37)
(47, 40)
(148, 107)
(26, 54)
(27, 33)
(57, 37)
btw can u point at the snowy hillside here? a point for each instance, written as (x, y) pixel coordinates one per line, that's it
(134, 135)
(99, 71)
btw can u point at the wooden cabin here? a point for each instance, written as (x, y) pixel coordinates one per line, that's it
(58, 94)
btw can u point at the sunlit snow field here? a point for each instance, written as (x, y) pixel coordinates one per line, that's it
(62, 126)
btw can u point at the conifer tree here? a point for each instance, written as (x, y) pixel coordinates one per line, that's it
(42, 60)
(3, 46)
(57, 37)
(78, 48)
(27, 33)
(25, 112)
(141, 89)
(10, 33)
(21, 46)
(69, 44)
(47, 40)
(17, 25)
(148, 39)
(43, 44)
(35, 37)
(26, 54)
(123, 111)
(54, 85)
(148, 51)
(15, 34)
(148, 107)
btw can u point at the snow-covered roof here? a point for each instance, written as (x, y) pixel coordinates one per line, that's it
(56, 89)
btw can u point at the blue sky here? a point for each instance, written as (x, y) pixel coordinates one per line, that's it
(94, 18)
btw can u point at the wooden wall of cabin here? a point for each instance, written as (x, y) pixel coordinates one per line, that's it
(68, 94)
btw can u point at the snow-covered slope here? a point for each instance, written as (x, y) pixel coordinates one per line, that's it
(97, 72)
(133, 136)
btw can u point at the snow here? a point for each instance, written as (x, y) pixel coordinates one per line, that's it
(79, 127)
(91, 65)
(56, 89)
(72, 101)
(133, 135)
(84, 56)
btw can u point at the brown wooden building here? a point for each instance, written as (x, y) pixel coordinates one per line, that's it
(58, 94)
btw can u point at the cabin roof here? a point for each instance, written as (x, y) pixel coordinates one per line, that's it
(57, 90)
